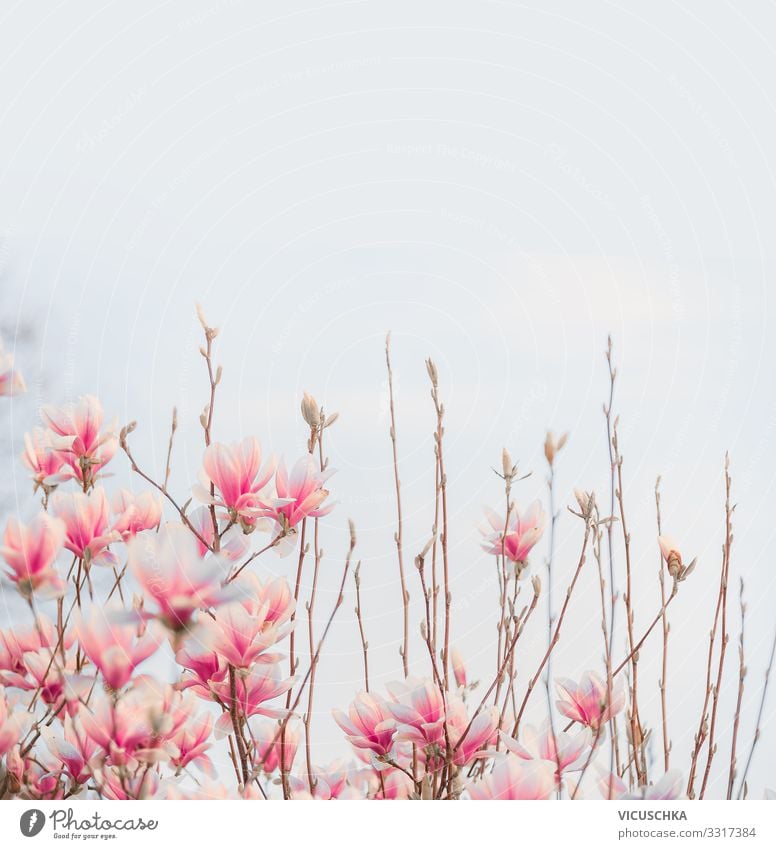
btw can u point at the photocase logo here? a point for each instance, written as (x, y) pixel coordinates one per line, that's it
(31, 822)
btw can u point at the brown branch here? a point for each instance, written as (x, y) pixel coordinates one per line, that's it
(398, 536)
(739, 700)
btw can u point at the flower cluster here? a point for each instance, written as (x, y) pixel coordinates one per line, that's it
(162, 655)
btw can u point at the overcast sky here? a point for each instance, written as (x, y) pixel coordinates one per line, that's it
(501, 185)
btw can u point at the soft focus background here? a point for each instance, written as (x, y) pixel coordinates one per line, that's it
(501, 185)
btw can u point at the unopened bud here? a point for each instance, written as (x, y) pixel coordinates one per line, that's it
(537, 585)
(310, 411)
(506, 464)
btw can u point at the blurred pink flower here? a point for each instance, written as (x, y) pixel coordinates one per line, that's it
(114, 647)
(137, 726)
(87, 531)
(368, 724)
(88, 449)
(192, 740)
(11, 380)
(267, 738)
(523, 531)
(586, 702)
(329, 782)
(234, 543)
(569, 752)
(235, 472)
(30, 552)
(174, 577)
(516, 779)
(262, 684)
(14, 724)
(73, 750)
(42, 457)
(135, 513)
(669, 787)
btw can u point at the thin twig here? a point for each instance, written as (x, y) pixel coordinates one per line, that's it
(398, 536)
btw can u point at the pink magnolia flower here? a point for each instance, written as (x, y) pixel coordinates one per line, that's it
(516, 779)
(669, 787)
(14, 724)
(42, 457)
(87, 531)
(523, 531)
(89, 449)
(673, 558)
(482, 731)
(235, 472)
(135, 513)
(192, 741)
(241, 634)
(569, 752)
(276, 594)
(369, 724)
(137, 727)
(419, 709)
(234, 543)
(586, 702)
(459, 667)
(73, 750)
(115, 647)
(11, 380)
(30, 552)
(15, 643)
(262, 684)
(203, 672)
(174, 577)
(302, 492)
(329, 782)
(270, 750)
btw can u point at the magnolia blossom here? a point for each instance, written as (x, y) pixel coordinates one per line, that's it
(30, 552)
(235, 473)
(673, 558)
(469, 739)
(241, 634)
(302, 492)
(135, 513)
(262, 684)
(73, 750)
(138, 726)
(459, 667)
(114, 647)
(11, 380)
(516, 779)
(369, 724)
(174, 577)
(329, 782)
(587, 701)
(514, 538)
(419, 710)
(42, 456)
(233, 543)
(13, 724)
(569, 752)
(668, 788)
(273, 747)
(88, 448)
(87, 520)
(203, 672)
(192, 740)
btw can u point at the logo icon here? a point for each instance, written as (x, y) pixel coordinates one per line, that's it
(32, 822)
